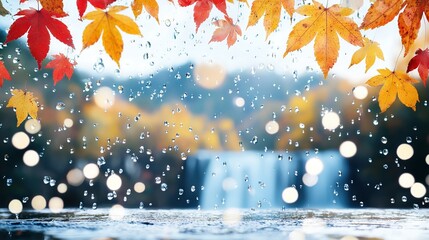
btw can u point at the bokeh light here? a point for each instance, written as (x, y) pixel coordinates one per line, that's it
(406, 180)
(290, 195)
(139, 187)
(272, 127)
(239, 102)
(405, 151)
(360, 92)
(20, 140)
(91, 170)
(314, 166)
(38, 202)
(68, 123)
(229, 184)
(104, 97)
(56, 204)
(427, 159)
(116, 212)
(15, 206)
(232, 217)
(30, 158)
(32, 126)
(348, 149)
(418, 190)
(209, 76)
(75, 177)
(114, 182)
(331, 120)
(62, 188)
(310, 180)
(296, 235)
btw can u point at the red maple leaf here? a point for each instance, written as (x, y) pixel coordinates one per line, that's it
(226, 28)
(4, 74)
(62, 67)
(420, 60)
(83, 4)
(203, 8)
(37, 23)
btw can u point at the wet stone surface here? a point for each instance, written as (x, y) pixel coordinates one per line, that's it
(231, 224)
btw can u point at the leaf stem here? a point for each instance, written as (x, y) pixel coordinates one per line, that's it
(397, 58)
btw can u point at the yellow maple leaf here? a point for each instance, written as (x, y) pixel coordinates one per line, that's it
(271, 9)
(24, 104)
(151, 7)
(107, 23)
(369, 51)
(324, 24)
(395, 83)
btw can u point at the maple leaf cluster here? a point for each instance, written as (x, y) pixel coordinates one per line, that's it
(323, 25)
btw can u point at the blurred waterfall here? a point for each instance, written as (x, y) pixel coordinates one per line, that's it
(252, 179)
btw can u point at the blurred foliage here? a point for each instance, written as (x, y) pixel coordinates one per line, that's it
(157, 122)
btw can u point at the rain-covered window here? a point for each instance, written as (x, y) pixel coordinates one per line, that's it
(238, 106)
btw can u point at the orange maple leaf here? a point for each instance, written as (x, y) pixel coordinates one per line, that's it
(106, 23)
(395, 83)
(54, 6)
(226, 28)
(324, 24)
(409, 20)
(62, 67)
(380, 13)
(151, 7)
(24, 104)
(271, 9)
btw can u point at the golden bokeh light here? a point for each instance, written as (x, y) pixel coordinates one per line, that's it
(209, 76)
(38, 202)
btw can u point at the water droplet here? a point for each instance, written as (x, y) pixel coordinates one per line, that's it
(98, 66)
(60, 106)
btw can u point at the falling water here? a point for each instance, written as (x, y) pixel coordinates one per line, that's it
(254, 179)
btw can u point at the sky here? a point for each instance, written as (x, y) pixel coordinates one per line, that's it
(174, 42)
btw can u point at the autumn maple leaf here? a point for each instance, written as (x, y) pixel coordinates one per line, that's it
(106, 23)
(395, 83)
(324, 24)
(409, 20)
(4, 74)
(226, 29)
(203, 8)
(62, 67)
(271, 9)
(24, 104)
(420, 61)
(151, 7)
(54, 6)
(83, 4)
(39, 23)
(369, 51)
